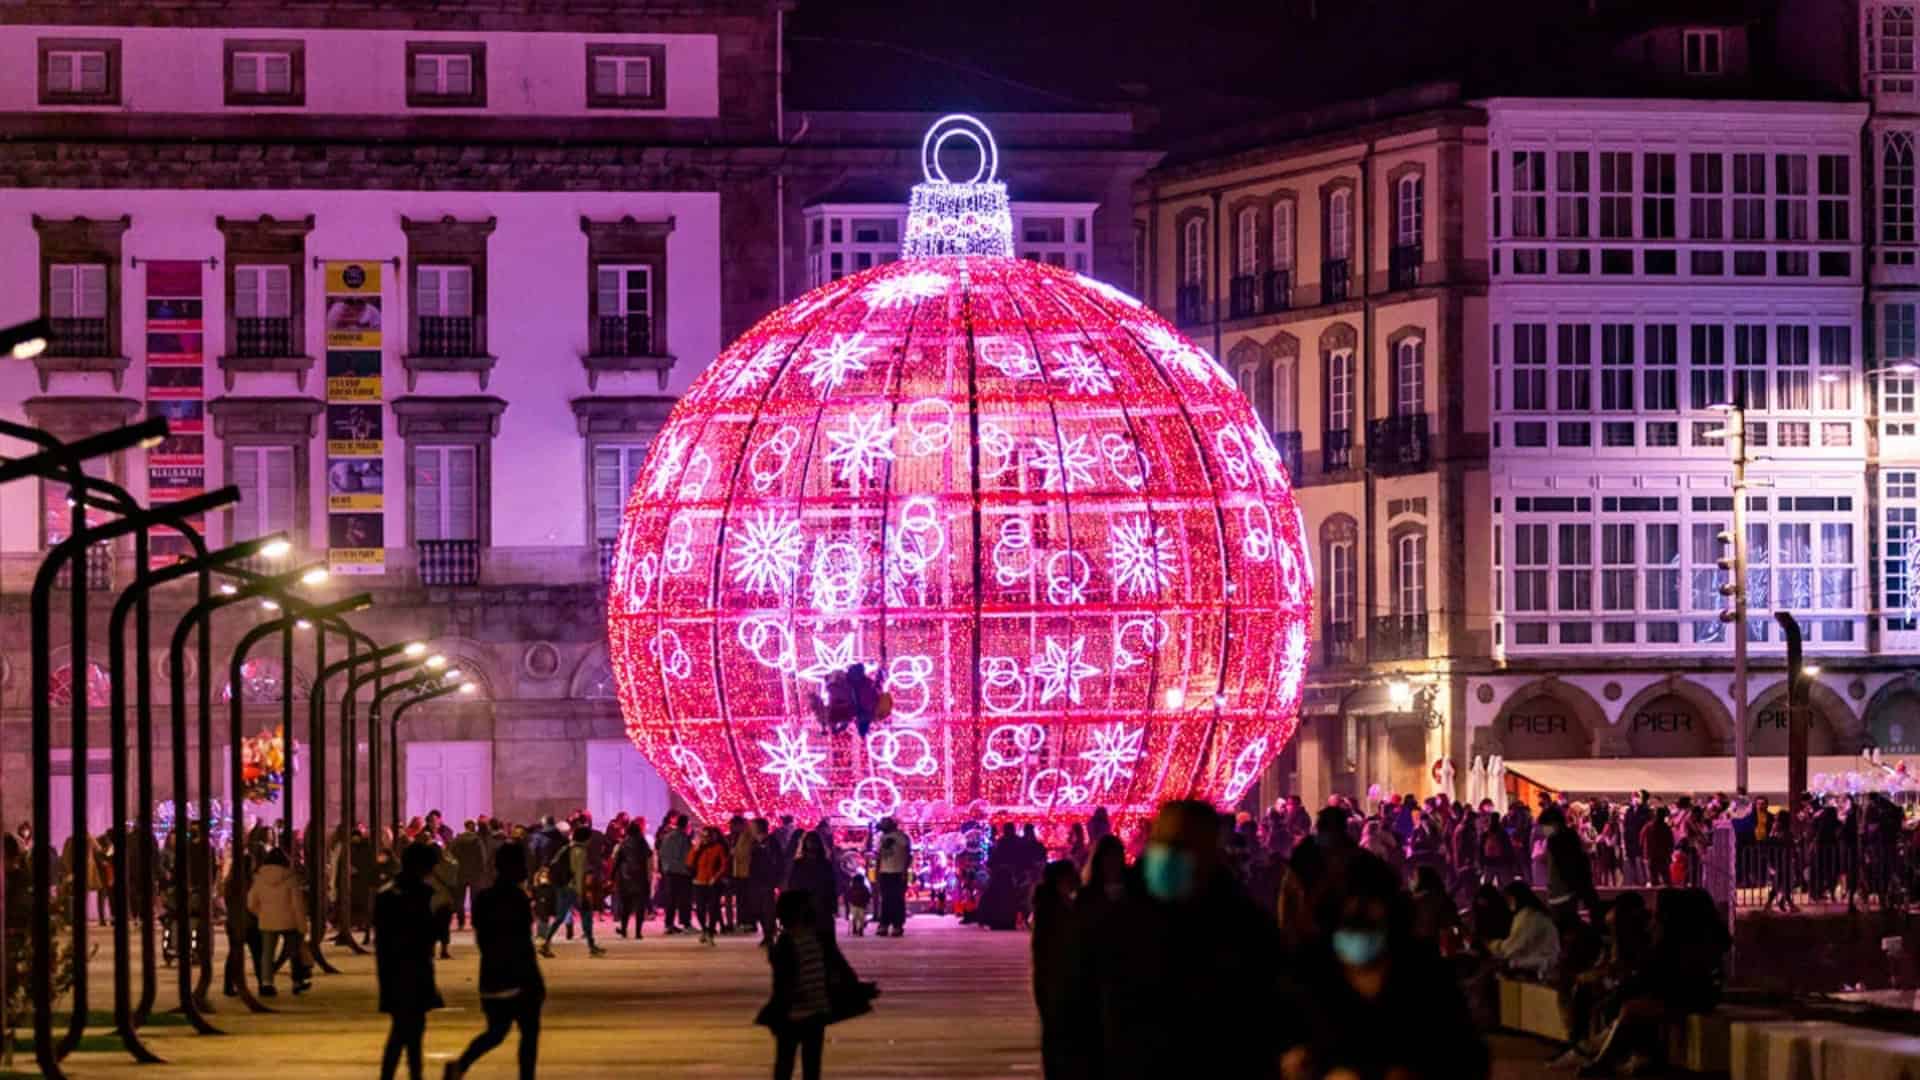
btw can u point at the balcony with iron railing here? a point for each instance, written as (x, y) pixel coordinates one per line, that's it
(1288, 444)
(1335, 280)
(99, 570)
(1192, 306)
(79, 337)
(1245, 296)
(1403, 266)
(1277, 290)
(1397, 637)
(1398, 444)
(623, 335)
(446, 336)
(606, 549)
(1336, 450)
(1336, 643)
(258, 339)
(449, 562)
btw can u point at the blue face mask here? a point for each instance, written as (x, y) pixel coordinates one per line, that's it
(1168, 872)
(1359, 948)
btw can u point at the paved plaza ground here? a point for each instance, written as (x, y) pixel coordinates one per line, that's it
(955, 1003)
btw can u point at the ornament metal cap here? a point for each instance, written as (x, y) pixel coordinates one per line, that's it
(958, 217)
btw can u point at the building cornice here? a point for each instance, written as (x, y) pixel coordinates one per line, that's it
(472, 16)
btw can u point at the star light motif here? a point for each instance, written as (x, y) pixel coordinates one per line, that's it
(766, 555)
(1112, 755)
(828, 660)
(861, 448)
(902, 289)
(790, 759)
(1143, 559)
(1067, 465)
(756, 369)
(669, 465)
(1082, 371)
(1060, 670)
(1171, 349)
(834, 361)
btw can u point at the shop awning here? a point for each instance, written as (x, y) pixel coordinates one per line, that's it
(1666, 776)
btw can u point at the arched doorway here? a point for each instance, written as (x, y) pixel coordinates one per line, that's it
(1668, 724)
(1547, 721)
(1893, 720)
(1768, 735)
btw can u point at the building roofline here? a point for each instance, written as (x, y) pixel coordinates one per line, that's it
(1762, 106)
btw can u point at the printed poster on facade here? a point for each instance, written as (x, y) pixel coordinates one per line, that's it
(356, 420)
(176, 390)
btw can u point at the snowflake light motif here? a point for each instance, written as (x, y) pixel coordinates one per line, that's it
(766, 556)
(1112, 755)
(1143, 559)
(1060, 670)
(1178, 352)
(905, 289)
(1082, 371)
(828, 660)
(756, 369)
(1066, 465)
(861, 448)
(795, 764)
(834, 361)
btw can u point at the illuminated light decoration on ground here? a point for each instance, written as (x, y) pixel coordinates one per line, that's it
(1048, 524)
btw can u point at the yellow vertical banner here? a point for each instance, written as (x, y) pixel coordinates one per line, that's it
(356, 420)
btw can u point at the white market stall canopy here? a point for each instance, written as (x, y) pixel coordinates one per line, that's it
(1668, 776)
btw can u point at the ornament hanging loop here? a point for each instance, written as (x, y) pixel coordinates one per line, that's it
(959, 126)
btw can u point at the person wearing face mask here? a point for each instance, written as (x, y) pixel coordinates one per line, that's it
(1371, 1000)
(1184, 952)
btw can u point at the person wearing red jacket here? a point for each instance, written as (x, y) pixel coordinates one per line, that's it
(711, 861)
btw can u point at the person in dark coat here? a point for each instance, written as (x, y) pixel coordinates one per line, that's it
(511, 989)
(763, 876)
(1569, 872)
(1656, 843)
(1178, 978)
(1055, 932)
(813, 985)
(813, 874)
(633, 879)
(864, 695)
(1632, 822)
(404, 933)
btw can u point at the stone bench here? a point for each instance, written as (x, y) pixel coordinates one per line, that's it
(1782, 1049)
(1702, 1043)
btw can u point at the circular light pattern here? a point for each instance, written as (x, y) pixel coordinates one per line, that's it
(1047, 523)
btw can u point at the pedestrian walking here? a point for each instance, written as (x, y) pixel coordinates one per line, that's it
(813, 986)
(1054, 948)
(633, 879)
(446, 892)
(403, 957)
(674, 849)
(812, 873)
(511, 989)
(895, 859)
(711, 862)
(279, 908)
(573, 872)
(469, 853)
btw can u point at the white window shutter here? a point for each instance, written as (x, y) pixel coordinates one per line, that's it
(93, 292)
(279, 74)
(611, 298)
(459, 291)
(278, 490)
(246, 293)
(640, 291)
(246, 73)
(425, 75)
(606, 76)
(62, 301)
(93, 73)
(60, 73)
(277, 295)
(427, 292)
(246, 477)
(459, 76)
(427, 489)
(462, 501)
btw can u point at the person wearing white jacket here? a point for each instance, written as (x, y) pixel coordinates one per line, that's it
(279, 907)
(1532, 946)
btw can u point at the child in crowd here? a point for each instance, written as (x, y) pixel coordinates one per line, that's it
(859, 895)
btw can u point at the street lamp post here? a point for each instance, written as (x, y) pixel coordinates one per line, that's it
(393, 739)
(350, 740)
(1736, 589)
(448, 676)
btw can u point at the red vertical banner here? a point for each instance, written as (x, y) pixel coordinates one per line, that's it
(176, 390)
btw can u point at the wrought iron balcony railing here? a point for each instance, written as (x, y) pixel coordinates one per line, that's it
(1397, 637)
(1398, 444)
(1245, 296)
(1403, 266)
(1193, 305)
(1336, 450)
(259, 338)
(445, 336)
(78, 337)
(624, 335)
(449, 562)
(1278, 292)
(1335, 280)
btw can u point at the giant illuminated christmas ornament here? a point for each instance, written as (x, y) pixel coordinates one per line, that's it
(1049, 526)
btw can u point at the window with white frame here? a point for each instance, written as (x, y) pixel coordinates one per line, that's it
(847, 242)
(1616, 368)
(1793, 368)
(445, 492)
(1706, 208)
(1342, 580)
(1836, 191)
(1571, 186)
(622, 76)
(1283, 235)
(1193, 253)
(1900, 542)
(1707, 366)
(1897, 190)
(1409, 211)
(1899, 355)
(1246, 243)
(1657, 185)
(442, 75)
(1836, 368)
(1749, 196)
(1750, 367)
(1055, 239)
(1340, 390)
(1573, 370)
(262, 292)
(1409, 377)
(1616, 194)
(77, 291)
(78, 72)
(615, 468)
(1339, 224)
(261, 74)
(1702, 49)
(1889, 48)
(444, 292)
(1662, 377)
(1532, 559)
(1573, 568)
(264, 475)
(623, 291)
(1410, 574)
(1529, 194)
(1530, 367)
